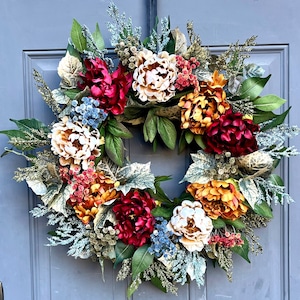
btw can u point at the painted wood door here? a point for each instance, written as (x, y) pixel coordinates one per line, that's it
(33, 35)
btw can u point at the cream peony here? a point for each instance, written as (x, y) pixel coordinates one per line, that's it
(74, 143)
(155, 76)
(68, 69)
(190, 222)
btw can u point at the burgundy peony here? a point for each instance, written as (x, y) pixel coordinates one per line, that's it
(135, 221)
(231, 133)
(109, 89)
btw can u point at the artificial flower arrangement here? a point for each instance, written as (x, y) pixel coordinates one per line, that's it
(106, 207)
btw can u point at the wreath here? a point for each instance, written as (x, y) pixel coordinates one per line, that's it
(179, 94)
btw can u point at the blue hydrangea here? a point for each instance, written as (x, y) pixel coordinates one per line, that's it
(161, 242)
(87, 112)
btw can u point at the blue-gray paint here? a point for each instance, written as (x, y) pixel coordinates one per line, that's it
(33, 34)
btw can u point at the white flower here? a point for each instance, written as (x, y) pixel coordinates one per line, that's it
(68, 69)
(154, 76)
(190, 222)
(74, 143)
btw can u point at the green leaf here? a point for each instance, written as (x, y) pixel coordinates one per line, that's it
(72, 93)
(165, 212)
(72, 51)
(14, 133)
(157, 283)
(242, 250)
(132, 287)
(141, 260)
(189, 136)
(114, 148)
(279, 119)
(238, 223)
(29, 124)
(123, 251)
(268, 102)
(150, 127)
(263, 209)
(252, 87)
(276, 179)
(118, 129)
(98, 38)
(167, 132)
(77, 36)
(218, 223)
(262, 116)
(199, 140)
(182, 143)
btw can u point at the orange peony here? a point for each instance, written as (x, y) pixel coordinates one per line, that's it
(219, 199)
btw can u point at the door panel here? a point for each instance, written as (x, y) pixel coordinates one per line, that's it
(34, 34)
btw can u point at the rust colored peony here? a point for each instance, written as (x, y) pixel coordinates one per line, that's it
(231, 133)
(133, 214)
(219, 199)
(109, 89)
(200, 109)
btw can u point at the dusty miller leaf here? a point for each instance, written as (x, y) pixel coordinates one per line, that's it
(249, 189)
(136, 175)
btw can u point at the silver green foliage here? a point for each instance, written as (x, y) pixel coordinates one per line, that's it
(198, 171)
(274, 140)
(191, 265)
(133, 175)
(157, 41)
(121, 27)
(69, 231)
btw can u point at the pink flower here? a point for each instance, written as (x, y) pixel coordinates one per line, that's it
(109, 89)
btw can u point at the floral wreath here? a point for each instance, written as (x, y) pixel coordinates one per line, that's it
(104, 206)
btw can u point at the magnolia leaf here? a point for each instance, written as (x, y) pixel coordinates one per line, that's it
(158, 283)
(123, 251)
(60, 97)
(98, 38)
(165, 212)
(28, 124)
(279, 119)
(189, 136)
(252, 87)
(118, 129)
(167, 132)
(268, 102)
(37, 186)
(242, 250)
(262, 116)
(72, 94)
(150, 127)
(238, 223)
(263, 209)
(250, 191)
(276, 179)
(114, 148)
(199, 140)
(59, 202)
(77, 36)
(182, 143)
(137, 176)
(141, 260)
(218, 223)
(14, 133)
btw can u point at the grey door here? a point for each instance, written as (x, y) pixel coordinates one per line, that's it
(34, 35)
